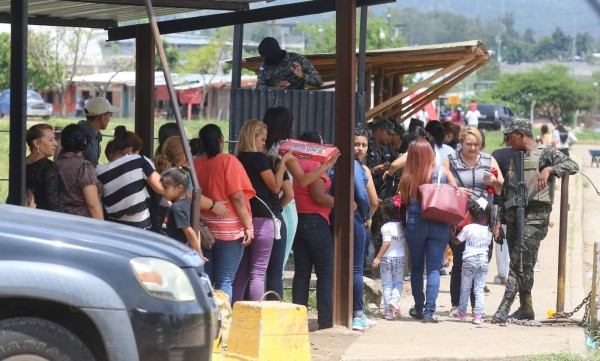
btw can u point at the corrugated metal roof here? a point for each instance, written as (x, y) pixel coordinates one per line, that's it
(108, 13)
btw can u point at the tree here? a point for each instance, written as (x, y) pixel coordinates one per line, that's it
(557, 94)
(207, 60)
(172, 55)
(55, 57)
(4, 60)
(321, 37)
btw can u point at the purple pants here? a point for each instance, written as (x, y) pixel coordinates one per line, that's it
(250, 275)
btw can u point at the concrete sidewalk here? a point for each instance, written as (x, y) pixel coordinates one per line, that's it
(409, 339)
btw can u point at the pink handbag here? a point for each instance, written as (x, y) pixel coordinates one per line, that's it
(442, 202)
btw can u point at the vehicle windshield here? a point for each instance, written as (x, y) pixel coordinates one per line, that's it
(34, 96)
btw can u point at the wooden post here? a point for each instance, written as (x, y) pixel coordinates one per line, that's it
(345, 80)
(144, 88)
(378, 87)
(562, 243)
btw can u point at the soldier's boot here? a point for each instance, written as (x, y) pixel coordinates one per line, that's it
(501, 314)
(525, 311)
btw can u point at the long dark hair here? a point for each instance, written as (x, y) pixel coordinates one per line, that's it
(211, 135)
(279, 121)
(563, 133)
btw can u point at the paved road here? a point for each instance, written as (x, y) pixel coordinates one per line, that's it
(408, 339)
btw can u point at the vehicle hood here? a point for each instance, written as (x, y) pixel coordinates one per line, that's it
(91, 233)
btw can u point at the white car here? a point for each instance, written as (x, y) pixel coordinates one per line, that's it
(36, 106)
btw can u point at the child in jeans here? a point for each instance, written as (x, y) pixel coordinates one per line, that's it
(391, 258)
(475, 258)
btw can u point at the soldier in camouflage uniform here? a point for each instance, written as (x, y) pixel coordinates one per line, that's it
(379, 157)
(542, 165)
(284, 70)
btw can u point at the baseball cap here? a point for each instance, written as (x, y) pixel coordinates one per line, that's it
(519, 125)
(387, 125)
(99, 105)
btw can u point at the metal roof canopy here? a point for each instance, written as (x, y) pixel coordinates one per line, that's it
(454, 62)
(106, 14)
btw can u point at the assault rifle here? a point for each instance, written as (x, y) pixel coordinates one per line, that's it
(520, 201)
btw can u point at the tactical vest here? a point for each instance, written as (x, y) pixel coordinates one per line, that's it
(471, 178)
(531, 172)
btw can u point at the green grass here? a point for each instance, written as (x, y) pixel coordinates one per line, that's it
(192, 127)
(587, 136)
(592, 356)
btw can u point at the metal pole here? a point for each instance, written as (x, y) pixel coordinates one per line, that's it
(562, 244)
(362, 48)
(195, 217)
(595, 274)
(18, 99)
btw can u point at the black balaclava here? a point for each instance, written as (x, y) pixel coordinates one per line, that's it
(269, 49)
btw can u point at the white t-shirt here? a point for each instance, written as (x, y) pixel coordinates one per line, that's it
(472, 117)
(559, 144)
(392, 232)
(422, 115)
(441, 153)
(477, 237)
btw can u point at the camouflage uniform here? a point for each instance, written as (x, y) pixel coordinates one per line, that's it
(537, 215)
(269, 76)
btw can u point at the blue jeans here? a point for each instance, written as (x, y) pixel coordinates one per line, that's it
(223, 262)
(313, 245)
(358, 269)
(474, 271)
(275, 268)
(427, 242)
(391, 272)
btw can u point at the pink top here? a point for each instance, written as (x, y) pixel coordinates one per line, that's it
(304, 201)
(220, 177)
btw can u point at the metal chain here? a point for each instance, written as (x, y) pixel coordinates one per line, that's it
(530, 323)
(585, 302)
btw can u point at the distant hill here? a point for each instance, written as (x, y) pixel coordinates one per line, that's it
(542, 16)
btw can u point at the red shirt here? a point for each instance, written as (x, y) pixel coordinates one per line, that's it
(219, 178)
(304, 201)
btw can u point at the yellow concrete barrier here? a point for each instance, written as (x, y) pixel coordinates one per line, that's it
(268, 330)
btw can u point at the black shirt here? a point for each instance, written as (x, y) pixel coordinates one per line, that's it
(177, 218)
(255, 163)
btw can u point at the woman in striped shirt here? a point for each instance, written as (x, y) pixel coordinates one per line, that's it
(125, 197)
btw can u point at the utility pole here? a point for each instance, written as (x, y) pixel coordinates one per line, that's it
(389, 24)
(499, 46)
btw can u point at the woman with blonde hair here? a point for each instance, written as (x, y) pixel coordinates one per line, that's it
(267, 183)
(470, 167)
(426, 239)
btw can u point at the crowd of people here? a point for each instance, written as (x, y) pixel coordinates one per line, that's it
(259, 204)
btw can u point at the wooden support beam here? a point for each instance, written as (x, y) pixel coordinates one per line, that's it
(344, 180)
(379, 109)
(439, 91)
(378, 89)
(144, 89)
(367, 88)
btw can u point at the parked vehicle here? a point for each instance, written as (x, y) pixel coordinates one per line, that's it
(36, 106)
(81, 289)
(494, 116)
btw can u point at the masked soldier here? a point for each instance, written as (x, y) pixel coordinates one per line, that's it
(542, 165)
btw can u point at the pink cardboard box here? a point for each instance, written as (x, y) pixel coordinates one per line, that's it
(307, 150)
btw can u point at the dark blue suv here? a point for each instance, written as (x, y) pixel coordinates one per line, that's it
(74, 288)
